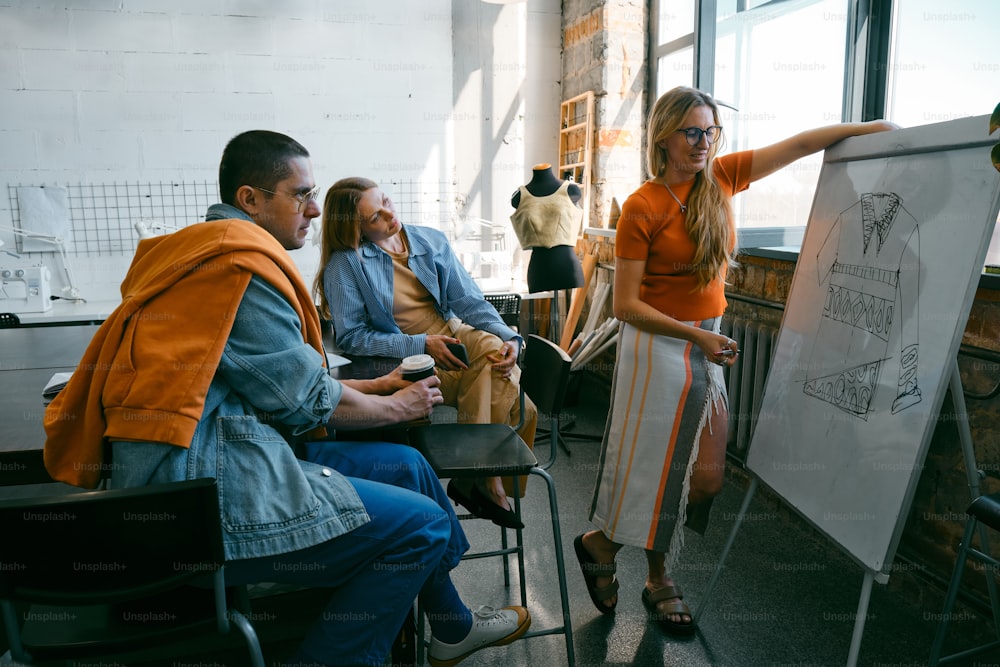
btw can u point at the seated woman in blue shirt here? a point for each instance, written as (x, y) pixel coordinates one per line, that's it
(394, 291)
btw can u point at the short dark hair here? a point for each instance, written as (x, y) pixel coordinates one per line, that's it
(258, 158)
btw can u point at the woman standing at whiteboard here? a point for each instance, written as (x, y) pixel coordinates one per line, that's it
(663, 455)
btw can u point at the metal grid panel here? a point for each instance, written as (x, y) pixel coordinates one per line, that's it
(103, 215)
(425, 204)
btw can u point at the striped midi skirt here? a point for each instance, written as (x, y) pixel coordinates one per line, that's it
(662, 392)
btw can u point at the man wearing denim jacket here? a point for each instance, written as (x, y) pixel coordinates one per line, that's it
(213, 367)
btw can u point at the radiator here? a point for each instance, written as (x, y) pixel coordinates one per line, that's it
(745, 379)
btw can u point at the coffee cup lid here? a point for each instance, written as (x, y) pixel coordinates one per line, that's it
(417, 362)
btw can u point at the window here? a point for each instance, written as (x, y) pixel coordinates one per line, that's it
(959, 77)
(787, 65)
(674, 48)
(781, 66)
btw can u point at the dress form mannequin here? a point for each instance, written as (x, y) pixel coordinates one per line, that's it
(552, 267)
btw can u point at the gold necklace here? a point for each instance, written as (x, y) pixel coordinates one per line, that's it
(683, 207)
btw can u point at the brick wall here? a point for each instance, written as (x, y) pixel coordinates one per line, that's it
(604, 51)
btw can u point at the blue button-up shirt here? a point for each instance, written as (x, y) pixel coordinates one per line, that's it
(359, 288)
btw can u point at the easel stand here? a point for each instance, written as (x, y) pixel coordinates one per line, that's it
(972, 473)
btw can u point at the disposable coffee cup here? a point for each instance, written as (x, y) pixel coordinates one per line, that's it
(417, 367)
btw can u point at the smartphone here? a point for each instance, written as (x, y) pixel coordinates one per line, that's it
(458, 349)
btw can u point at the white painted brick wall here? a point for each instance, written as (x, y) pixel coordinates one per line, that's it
(200, 33)
(17, 151)
(38, 109)
(103, 91)
(46, 69)
(174, 72)
(120, 31)
(135, 112)
(34, 28)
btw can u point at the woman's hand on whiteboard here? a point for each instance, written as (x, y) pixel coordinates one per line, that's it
(883, 125)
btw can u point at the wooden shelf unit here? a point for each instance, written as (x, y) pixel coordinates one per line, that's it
(576, 140)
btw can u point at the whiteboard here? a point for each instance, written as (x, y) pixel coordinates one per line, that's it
(885, 279)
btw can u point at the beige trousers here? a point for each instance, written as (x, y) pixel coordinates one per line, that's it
(481, 395)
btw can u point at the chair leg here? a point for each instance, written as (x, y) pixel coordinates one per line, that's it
(249, 635)
(558, 439)
(420, 644)
(554, 440)
(991, 584)
(567, 627)
(949, 600)
(956, 578)
(404, 648)
(13, 630)
(506, 557)
(519, 541)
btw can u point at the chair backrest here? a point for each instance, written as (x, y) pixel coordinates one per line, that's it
(508, 306)
(545, 374)
(109, 546)
(23, 468)
(9, 321)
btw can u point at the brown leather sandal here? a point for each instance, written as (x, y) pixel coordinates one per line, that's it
(672, 600)
(591, 571)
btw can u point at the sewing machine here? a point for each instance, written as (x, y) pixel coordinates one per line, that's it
(25, 289)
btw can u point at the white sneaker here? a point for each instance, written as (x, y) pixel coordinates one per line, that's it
(490, 627)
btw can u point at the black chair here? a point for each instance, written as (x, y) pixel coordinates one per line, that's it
(983, 512)
(546, 383)
(9, 321)
(544, 377)
(121, 574)
(490, 450)
(23, 468)
(508, 306)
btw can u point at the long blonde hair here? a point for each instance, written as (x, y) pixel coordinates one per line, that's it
(341, 228)
(709, 210)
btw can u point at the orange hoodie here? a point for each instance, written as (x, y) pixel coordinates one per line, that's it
(146, 372)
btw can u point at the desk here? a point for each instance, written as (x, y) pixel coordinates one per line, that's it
(43, 347)
(69, 312)
(28, 358)
(21, 409)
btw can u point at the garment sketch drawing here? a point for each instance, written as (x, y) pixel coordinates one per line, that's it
(870, 265)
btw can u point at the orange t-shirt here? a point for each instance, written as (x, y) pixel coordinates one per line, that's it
(651, 228)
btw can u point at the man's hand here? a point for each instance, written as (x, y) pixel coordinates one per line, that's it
(393, 381)
(505, 358)
(437, 346)
(417, 399)
(359, 410)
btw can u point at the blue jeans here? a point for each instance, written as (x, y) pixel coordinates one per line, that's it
(394, 464)
(377, 570)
